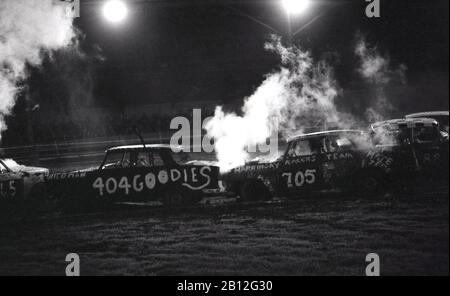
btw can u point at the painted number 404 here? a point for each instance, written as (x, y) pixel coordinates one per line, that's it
(300, 178)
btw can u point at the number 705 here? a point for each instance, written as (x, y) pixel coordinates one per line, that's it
(300, 178)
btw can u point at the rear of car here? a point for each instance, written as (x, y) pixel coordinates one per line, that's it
(22, 186)
(420, 141)
(442, 117)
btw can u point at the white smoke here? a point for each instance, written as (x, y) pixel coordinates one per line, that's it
(376, 69)
(28, 30)
(300, 95)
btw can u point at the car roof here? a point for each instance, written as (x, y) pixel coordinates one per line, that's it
(323, 133)
(141, 147)
(426, 114)
(409, 122)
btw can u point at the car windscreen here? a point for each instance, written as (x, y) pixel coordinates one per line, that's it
(119, 159)
(181, 157)
(304, 147)
(405, 136)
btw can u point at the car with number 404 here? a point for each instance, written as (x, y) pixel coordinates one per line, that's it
(138, 173)
(348, 160)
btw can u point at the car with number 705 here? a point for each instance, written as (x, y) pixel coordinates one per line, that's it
(347, 160)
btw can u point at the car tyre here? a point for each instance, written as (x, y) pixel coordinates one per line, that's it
(72, 202)
(175, 198)
(254, 190)
(368, 184)
(36, 201)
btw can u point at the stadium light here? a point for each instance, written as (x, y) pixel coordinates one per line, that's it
(115, 11)
(295, 7)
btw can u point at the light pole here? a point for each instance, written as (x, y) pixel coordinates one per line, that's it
(289, 29)
(293, 8)
(115, 11)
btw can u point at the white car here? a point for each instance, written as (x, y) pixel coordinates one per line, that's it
(19, 182)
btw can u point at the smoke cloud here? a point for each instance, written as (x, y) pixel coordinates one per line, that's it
(377, 71)
(299, 96)
(29, 29)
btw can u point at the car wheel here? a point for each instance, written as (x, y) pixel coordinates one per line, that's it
(254, 190)
(36, 201)
(174, 198)
(368, 184)
(70, 203)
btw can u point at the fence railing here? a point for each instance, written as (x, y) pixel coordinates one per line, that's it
(83, 150)
(34, 154)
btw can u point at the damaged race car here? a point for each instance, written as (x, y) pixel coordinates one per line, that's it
(21, 186)
(138, 173)
(422, 139)
(440, 116)
(348, 160)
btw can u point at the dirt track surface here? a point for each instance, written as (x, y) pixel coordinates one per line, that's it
(328, 235)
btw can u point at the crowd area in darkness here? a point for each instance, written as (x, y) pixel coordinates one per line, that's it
(24, 129)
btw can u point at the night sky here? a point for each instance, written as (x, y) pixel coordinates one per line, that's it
(169, 51)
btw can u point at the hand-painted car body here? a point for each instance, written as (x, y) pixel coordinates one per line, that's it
(344, 159)
(139, 173)
(19, 182)
(421, 138)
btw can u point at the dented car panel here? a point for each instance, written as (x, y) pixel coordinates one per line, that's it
(11, 186)
(309, 163)
(440, 116)
(17, 182)
(422, 139)
(137, 173)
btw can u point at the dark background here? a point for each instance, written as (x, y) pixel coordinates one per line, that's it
(210, 51)
(170, 51)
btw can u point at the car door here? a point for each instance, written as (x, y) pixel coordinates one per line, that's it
(148, 176)
(300, 169)
(340, 160)
(135, 175)
(112, 180)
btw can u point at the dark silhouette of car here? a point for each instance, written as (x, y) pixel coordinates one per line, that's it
(348, 160)
(139, 173)
(422, 139)
(21, 185)
(440, 116)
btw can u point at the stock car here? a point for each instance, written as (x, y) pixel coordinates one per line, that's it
(138, 173)
(422, 139)
(311, 162)
(440, 116)
(349, 160)
(21, 184)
